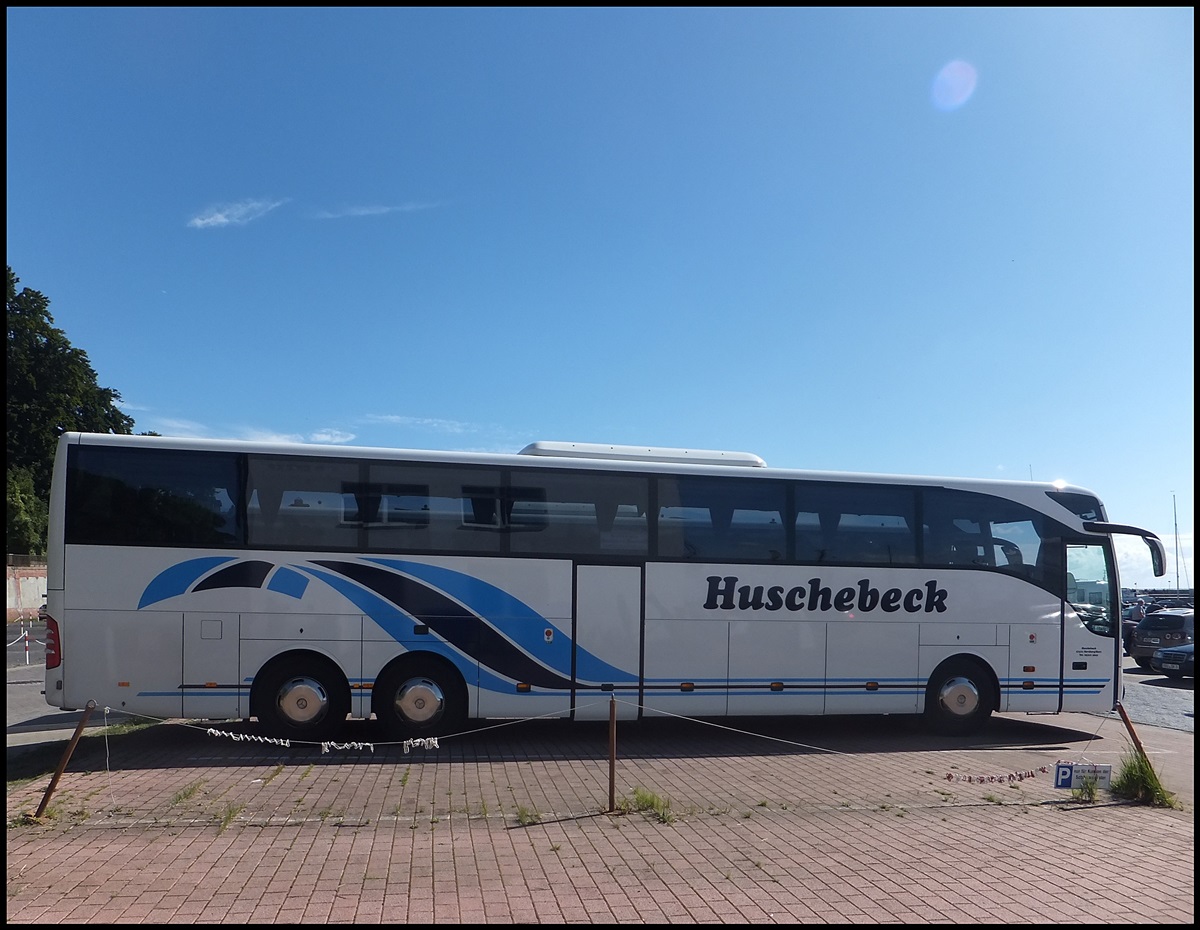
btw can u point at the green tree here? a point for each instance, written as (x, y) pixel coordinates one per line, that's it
(27, 515)
(52, 389)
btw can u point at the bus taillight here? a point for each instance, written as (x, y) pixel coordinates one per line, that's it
(53, 656)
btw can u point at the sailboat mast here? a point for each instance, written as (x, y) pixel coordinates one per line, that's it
(1175, 514)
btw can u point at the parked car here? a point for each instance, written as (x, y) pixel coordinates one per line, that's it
(1169, 603)
(1128, 625)
(1175, 661)
(1162, 629)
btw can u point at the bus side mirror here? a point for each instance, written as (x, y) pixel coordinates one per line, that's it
(1158, 555)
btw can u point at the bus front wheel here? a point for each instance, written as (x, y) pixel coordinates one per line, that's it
(960, 697)
(301, 698)
(420, 697)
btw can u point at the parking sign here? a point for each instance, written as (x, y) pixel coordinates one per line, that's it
(1076, 774)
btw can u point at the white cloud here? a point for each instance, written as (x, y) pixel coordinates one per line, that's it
(334, 436)
(261, 435)
(181, 429)
(438, 426)
(233, 214)
(373, 210)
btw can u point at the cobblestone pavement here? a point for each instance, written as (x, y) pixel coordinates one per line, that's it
(814, 820)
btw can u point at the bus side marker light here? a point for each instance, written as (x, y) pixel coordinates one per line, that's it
(523, 687)
(872, 686)
(1027, 686)
(122, 684)
(1029, 669)
(777, 686)
(210, 684)
(687, 686)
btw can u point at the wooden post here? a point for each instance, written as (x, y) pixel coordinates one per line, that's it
(1157, 785)
(62, 765)
(1132, 735)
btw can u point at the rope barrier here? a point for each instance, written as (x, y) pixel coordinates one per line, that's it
(1019, 776)
(998, 779)
(24, 635)
(654, 712)
(434, 743)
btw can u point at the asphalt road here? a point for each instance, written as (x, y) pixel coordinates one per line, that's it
(1150, 699)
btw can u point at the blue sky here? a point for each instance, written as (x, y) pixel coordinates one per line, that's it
(932, 241)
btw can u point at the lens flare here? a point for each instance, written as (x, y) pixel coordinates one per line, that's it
(954, 85)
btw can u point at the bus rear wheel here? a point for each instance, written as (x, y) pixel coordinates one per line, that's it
(301, 698)
(419, 698)
(959, 698)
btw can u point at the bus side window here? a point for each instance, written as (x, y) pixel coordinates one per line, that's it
(153, 497)
(681, 531)
(478, 520)
(702, 518)
(956, 543)
(481, 508)
(300, 502)
(874, 539)
(852, 524)
(758, 535)
(813, 544)
(314, 520)
(611, 517)
(627, 532)
(984, 531)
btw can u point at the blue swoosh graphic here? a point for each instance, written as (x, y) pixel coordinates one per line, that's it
(178, 578)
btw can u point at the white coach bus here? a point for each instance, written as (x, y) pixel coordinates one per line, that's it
(303, 585)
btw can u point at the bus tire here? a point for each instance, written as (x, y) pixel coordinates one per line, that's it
(301, 697)
(960, 697)
(419, 696)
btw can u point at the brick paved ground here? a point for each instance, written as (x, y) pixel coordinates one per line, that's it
(833, 820)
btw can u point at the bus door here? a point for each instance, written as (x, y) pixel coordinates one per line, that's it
(608, 636)
(1091, 661)
(1067, 651)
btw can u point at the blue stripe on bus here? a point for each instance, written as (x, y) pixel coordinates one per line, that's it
(178, 578)
(442, 598)
(465, 611)
(288, 581)
(487, 600)
(467, 632)
(489, 682)
(250, 573)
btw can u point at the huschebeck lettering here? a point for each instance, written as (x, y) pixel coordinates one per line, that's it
(726, 594)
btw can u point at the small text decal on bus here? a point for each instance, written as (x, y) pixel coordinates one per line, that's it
(724, 594)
